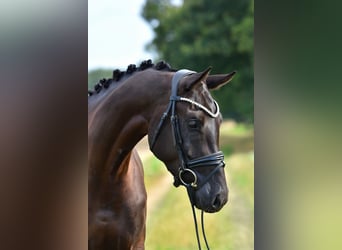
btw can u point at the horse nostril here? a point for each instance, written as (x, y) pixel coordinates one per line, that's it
(217, 202)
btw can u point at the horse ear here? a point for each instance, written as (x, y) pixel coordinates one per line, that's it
(195, 78)
(217, 81)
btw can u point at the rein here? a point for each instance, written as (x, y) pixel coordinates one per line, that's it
(187, 166)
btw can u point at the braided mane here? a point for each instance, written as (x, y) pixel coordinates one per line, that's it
(119, 75)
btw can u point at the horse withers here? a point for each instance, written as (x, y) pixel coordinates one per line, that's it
(181, 119)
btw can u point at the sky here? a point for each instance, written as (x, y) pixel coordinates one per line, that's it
(117, 34)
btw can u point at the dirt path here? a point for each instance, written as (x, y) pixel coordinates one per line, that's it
(157, 192)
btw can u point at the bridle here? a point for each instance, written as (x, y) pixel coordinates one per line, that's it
(189, 166)
(186, 165)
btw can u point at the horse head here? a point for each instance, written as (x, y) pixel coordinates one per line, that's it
(184, 134)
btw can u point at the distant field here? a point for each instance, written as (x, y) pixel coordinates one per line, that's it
(170, 225)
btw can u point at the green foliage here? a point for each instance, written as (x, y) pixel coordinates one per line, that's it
(202, 33)
(95, 75)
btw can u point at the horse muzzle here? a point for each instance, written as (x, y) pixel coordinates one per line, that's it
(211, 197)
(207, 192)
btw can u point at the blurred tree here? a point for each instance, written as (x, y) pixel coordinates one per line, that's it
(95, 76)
(202, 33)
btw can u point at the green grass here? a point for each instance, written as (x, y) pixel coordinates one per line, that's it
(171, 226)
(228, 128)
(153, 169)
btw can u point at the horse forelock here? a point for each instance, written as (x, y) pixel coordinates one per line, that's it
(119, 76)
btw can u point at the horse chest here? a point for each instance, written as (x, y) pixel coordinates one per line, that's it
(116, 229)
(119, 225)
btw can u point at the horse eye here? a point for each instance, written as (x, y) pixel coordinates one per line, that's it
(193, 123)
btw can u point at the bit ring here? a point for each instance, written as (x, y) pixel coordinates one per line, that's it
(182, 171)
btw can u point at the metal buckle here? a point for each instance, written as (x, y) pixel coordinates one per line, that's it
(182, 171)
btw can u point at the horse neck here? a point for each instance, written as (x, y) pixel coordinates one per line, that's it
(122, 118)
